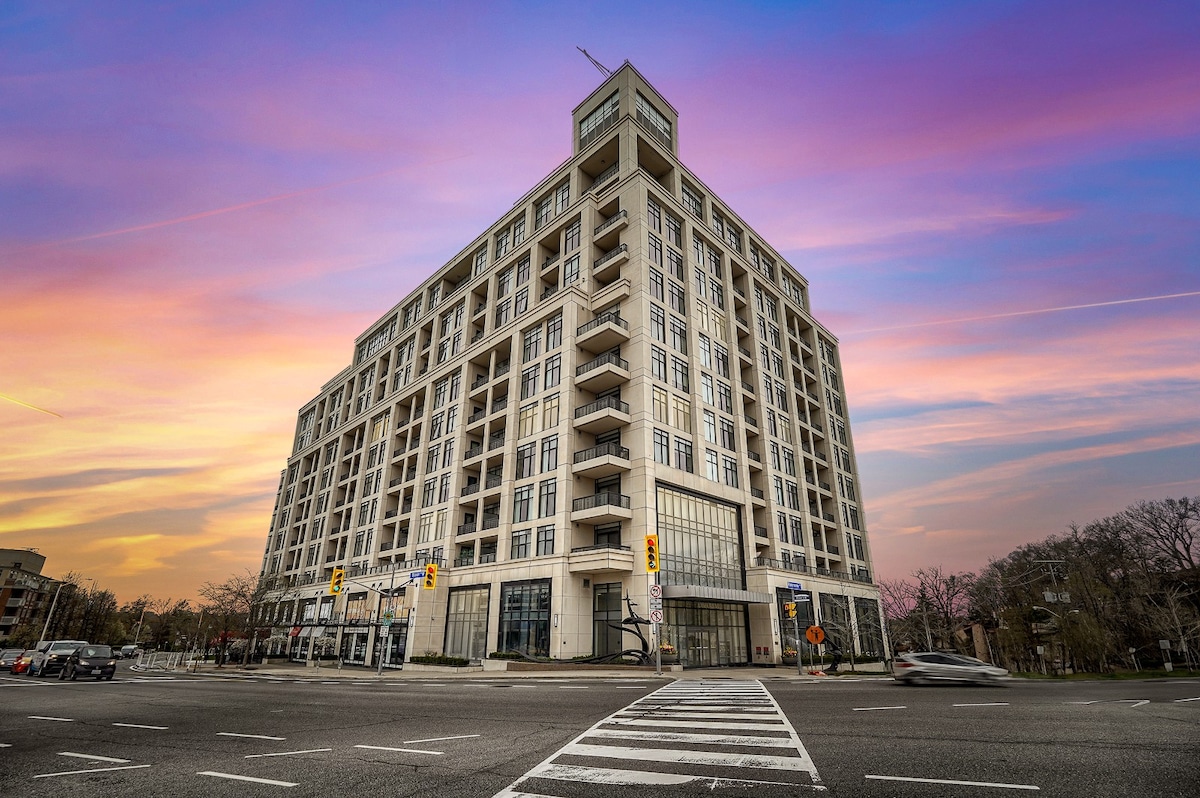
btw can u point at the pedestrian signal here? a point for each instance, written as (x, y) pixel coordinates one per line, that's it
(430, 581)
(337, 580)
(652, 554)
(790, 609)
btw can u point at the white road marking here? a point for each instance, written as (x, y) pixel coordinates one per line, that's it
(687, 737)
(1181, 700)
(572, 687)
(630, 687)
(988, 704)
(44, 717)
(5, 745)
(699, 724)
(952, 781)
(691, 716)
(872, 709)
(735, 760)
(251, 736)
(247, 778)
(439, 739)
(401, 750)
(287, 753)
(140, 726)
(93, 770)
(94, 757)
(723, 708)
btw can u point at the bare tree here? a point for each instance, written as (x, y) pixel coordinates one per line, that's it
(1170, 527)
(234, 603)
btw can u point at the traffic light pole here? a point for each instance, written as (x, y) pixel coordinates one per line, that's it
(386, 631)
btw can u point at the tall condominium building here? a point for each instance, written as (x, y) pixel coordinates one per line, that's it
(618, 355)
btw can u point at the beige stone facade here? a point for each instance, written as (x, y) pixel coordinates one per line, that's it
(618, 355)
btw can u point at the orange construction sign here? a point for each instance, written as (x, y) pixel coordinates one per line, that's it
(815, 635)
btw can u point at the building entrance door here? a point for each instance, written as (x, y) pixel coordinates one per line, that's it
(701, 647)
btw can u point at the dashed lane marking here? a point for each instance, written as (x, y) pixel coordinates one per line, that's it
(439, 739)
(94, 757)
(287, 753)
(954, 781)
(248, 778)
(45, 717)
(401, 750)
(872, 709)
(93, 770)
(251, 736)
(140, 726)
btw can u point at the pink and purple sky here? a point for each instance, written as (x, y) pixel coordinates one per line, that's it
(997, 206)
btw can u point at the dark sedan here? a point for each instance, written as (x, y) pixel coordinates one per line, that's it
(8, 656)
(97, 661)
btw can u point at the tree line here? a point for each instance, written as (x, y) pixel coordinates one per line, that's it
(1097, 598)
(220, 622)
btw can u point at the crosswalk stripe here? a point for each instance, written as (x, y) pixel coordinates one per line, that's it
(678, 719)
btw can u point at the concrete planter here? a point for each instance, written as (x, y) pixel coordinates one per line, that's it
(413, 666)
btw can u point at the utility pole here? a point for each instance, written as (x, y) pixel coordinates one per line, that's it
(50, 614)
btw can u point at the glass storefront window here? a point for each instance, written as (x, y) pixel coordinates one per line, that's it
(700, 540)
(525, 617)
(606, 609)
(466, 623)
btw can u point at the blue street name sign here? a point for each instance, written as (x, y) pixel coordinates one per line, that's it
(795, 586)
(415, 574)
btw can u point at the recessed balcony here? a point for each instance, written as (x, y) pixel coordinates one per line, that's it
(601, 461)
(608, 265)
(603, 559)
(602, 415)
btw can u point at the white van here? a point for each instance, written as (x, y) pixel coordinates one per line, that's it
(51, 655)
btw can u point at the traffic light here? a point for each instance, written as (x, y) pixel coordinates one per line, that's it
(430, 581)
(790, 609)
(652, 554)
(335, 583)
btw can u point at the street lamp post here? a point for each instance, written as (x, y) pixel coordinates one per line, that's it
(50, 614)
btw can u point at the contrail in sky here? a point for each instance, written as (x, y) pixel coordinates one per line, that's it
(241, 206)
(31, 407)
(1023, 313)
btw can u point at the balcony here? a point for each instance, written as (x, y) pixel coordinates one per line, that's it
(495, 440)
(601, 461)
(466, 529)
(608, 265)
(603, 559)
(606, 371)
(492, 481)
(469, 490)
(601, 508)
(614, 222)
(606, 331)
(474, 450)
(602, 415)
(490, 521)
(760, 531)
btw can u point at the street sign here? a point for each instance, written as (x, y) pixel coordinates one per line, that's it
(656, 591)
(388, 616)
(415, 574)
(655, 603)
(795, 586)
(815, 635)
(386, 622)
(656, 616)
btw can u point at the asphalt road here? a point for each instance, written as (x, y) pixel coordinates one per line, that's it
(592, 738)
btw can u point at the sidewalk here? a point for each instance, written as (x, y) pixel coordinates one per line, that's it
(291, 670)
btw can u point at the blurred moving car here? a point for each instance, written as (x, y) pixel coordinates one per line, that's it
(10, 655)
(935, 666)
(129, 652)
(21, 663)
(89, 660)
(50, 655)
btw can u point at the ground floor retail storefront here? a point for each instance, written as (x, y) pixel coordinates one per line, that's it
(355, 644)
(706, 634)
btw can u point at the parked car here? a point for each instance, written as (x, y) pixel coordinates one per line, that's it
(21, 663)
(50, 656)
(934, 666)
(89, 660)
(10, 655)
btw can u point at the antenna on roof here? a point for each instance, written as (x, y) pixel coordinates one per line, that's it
(605, 71)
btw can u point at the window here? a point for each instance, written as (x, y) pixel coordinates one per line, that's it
(677, 302)
(542, 212)
(653, 215)
(522, 504)
(683, 455)
(679, 335)
(658, 324)
(712, 468)
(705, 350)
(502, 244)
(679, 374)
(550, 412)
(662, 447)
(554, 332)
(599, 120)
(448, 454)
(429, 492)
(724, 397)
(547, 492)
(519, 232)
(710, 429)
(531, 346)
(553, 371)
(656, 250)
(526, 460)
(675, 264)
(521, 301)
(504, 282)
(503, 312)
(562, 197)
(674, 231)
(706, 389)
(656, 284)
(682, 409)
(650, 116)
(520, 544)
(729, 468)
(692, 200)
(527, 420)
(571, 270)
(480, 261)
(443, 490)
(525, 617)
(789, 462)
(549, 454)
(545, 540)
(727, 439)
(658, 363)
(529, 381)
(572, 237)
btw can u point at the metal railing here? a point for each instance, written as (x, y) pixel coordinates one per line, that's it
(603, 318)
(604, 403)
(607, 256)
(601, 500)
(603, 450)
(616, 217)
(607, 359)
